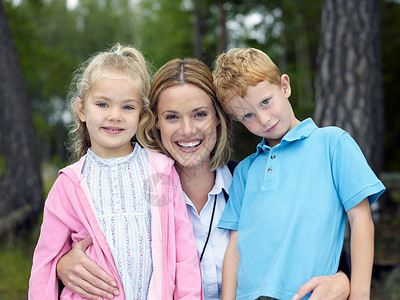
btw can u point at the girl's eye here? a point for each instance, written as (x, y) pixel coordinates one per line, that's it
(247, 116)
(265, 102)
(128, 107)
(102, 104)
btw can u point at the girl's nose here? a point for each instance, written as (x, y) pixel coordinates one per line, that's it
(115, 115)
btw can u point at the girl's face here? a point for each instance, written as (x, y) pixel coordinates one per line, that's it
(111, 111)
(188, 124)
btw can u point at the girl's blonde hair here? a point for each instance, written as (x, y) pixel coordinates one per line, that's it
(178, 72)
(240, 68)
(127, 62)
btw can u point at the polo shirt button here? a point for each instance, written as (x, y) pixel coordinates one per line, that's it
(273, 156)
(269, 170)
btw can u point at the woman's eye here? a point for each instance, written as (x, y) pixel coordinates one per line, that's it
(170, 117)
(265, 102)
(247, 116)
(201, 114)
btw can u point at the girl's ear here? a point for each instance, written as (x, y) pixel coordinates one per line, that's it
(285, 85)
(80, 110)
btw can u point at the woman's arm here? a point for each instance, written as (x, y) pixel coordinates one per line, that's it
(335, 287)
(82, 276)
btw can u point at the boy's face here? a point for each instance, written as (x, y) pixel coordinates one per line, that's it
(265, 110)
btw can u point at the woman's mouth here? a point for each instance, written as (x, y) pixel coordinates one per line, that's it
(190, 145)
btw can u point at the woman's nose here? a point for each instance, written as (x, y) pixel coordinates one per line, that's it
(187, 126)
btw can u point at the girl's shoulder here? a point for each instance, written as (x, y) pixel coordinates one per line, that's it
(160, 162)
(73, 171)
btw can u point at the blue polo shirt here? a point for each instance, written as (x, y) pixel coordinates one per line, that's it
(289, 206)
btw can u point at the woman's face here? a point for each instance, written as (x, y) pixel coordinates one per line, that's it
(188, 124)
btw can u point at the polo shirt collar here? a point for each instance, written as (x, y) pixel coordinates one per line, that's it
(301, 131)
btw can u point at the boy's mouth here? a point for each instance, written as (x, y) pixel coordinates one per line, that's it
(273, 127)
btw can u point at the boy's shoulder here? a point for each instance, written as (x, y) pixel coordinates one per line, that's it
(244, 165)
(327, 134)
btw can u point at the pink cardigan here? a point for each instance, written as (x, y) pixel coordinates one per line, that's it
(69, 216)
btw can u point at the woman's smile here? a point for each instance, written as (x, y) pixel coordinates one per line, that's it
(187, 122)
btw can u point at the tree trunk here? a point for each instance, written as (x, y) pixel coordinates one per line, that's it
(21, 196)
(222, 32)
(349, 80)
(198, 39)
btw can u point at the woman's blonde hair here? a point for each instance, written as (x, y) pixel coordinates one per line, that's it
(127, 62)
(177, 72)
(240, 68)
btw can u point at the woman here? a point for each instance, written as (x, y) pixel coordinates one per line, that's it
(190, 126)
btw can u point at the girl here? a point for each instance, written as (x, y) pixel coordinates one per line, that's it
(129, 200)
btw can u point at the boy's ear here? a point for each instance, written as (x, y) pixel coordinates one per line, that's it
(80, 110)
(285, 85)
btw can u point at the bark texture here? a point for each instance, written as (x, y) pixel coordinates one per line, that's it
(349, 79)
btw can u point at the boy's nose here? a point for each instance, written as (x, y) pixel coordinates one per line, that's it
(264, 118)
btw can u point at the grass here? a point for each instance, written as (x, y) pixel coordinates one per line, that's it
(16, 254)
(16, 262)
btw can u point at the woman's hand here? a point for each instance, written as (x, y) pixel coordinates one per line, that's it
(82, 276)
(335, 287)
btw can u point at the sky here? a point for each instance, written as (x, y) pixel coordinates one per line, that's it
(72, 3)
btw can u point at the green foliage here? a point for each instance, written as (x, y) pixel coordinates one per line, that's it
(165, 30)
(51, 41)
(16, 262)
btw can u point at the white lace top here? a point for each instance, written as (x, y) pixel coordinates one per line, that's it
(120, 193)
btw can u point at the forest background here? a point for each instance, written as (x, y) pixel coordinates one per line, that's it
(342, 57)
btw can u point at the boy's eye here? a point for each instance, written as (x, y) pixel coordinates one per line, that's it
(247, 116)
(265, 102)
(102, 104)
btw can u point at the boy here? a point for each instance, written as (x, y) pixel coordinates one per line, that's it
(288, 201)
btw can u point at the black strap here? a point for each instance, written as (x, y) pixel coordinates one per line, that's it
(209, 230)
(231, 166)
